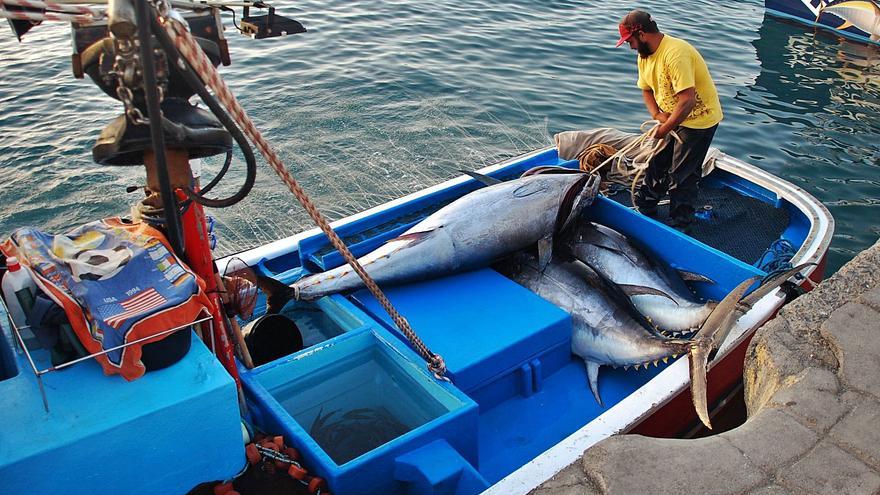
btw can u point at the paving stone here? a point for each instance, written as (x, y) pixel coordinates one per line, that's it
(771, 439)
(631, 464)
(871, 298)
(830, 470)
(813, 399)
(853, 328)
(858, 431)
(778, 354)
(770, 490)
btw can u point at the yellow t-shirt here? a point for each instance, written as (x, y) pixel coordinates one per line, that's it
(674, 67)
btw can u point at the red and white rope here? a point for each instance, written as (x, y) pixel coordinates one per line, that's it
(71, 13)
(57, 7)
(196, 58)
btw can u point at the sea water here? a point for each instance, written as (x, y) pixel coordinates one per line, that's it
(380, 99)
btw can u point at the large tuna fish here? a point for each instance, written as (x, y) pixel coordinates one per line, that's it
(669, 304)
(606, 329)
(470, 232)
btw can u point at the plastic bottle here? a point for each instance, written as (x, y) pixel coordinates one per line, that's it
(19, 291)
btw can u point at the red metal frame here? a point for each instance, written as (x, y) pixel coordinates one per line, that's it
(197, 249)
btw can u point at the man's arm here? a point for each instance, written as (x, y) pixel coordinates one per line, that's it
(653, 107)
(687, 99)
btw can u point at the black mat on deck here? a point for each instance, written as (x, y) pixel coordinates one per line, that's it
(741, 226)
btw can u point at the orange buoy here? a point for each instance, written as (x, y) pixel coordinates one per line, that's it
(269, 444)
(253, 455)
(292, 453)
(316, 484)
(224, 489)
(296, 472)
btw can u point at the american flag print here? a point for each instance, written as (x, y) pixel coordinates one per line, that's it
(115, 314)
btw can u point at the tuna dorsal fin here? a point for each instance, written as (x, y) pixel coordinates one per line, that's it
(641, 290)
(694, 277)
(482, 178)
(593, 375)
(545, 252)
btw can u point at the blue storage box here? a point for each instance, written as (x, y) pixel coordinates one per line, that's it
(355, 403)
(489, 330)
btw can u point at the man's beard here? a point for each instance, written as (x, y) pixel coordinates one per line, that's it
(643, 49)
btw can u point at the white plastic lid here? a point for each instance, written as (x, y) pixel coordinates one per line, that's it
(12, 264)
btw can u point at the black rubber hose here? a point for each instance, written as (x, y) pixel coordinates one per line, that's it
(157, 134)
(196, 83)
(207, 187)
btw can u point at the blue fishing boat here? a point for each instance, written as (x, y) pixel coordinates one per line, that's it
(854, 19)
(468, 385)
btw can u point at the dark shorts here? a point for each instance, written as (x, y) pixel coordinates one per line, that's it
(677, 171)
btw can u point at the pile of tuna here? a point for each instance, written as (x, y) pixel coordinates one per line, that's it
(627, 309)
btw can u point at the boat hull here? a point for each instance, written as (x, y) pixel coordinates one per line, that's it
(807, 12)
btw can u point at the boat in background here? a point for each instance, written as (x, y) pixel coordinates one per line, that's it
(357, 403)
(854, 19)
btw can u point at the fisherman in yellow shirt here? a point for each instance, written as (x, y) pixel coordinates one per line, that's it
(679, 93)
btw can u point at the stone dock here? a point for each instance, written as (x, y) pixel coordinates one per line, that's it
(812, 393)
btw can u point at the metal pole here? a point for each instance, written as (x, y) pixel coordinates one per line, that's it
(154, 113)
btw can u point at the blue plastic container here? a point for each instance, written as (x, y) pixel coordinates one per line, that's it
(358, 402)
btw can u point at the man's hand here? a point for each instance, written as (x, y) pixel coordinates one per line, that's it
(661, 116)
(661, 131)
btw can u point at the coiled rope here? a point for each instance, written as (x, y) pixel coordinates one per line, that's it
(645, 147)
(197, 59)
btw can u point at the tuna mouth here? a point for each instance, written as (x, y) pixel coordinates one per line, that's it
(578, 196)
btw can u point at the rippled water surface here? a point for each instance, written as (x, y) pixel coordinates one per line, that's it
(379, 99)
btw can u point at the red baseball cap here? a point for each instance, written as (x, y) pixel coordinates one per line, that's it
(626, 32)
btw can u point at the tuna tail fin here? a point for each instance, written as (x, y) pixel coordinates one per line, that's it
(718, 323)
(277, 293)
(698, 362)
